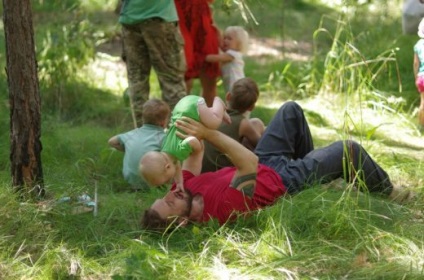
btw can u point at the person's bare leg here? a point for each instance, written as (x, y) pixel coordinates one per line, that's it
(208, 88)
(421, 111)
(401, 194)
(189, 85)
(212, 117)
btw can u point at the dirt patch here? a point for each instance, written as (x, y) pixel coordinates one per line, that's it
(112, 47)
(292, 50)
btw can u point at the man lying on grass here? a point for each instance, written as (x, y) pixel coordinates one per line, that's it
(284, 162)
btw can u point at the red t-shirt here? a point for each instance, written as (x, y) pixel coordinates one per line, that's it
(223, 202)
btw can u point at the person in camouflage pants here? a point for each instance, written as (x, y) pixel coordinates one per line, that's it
(151, 39)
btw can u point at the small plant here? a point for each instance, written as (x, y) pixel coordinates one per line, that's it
(63, 53)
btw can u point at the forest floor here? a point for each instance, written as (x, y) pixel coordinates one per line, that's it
(405, 139)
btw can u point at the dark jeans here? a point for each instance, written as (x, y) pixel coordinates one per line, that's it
(287, 147)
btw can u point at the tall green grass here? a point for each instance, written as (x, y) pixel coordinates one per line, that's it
(346, 86)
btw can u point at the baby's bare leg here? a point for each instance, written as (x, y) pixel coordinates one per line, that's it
(211, 117)
(421, 110)
(208, 87)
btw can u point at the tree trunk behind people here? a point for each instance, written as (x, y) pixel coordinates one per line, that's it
(24, 98)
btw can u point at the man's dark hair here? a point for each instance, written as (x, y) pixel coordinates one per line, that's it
(152, 221)
(244, 94)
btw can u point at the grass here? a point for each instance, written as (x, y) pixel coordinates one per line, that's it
(320, 233)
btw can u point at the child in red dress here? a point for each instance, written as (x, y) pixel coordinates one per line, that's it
(201, 38)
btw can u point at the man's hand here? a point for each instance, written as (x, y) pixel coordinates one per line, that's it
(191, 127)
(226, 119)
(195, 130)
(178, 178)
(179, 187)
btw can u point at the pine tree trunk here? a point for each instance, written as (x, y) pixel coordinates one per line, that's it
(24, 98)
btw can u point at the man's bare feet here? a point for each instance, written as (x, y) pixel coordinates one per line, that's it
(401, 194)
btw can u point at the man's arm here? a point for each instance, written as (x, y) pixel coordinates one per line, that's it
(193, 163)
(244, 160)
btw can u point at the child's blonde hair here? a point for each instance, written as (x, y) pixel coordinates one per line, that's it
(241, 36)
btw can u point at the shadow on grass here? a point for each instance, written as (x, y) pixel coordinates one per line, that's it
(315, 224)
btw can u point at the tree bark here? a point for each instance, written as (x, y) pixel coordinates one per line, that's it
(24, 98)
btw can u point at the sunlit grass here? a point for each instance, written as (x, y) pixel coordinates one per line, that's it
(333, 233)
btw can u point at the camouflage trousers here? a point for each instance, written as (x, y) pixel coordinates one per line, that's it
(157, 44)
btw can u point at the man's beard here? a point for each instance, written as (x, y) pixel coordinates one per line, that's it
(189, 200)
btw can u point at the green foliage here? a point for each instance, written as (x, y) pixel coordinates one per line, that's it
(65, 51)
(79, 102)
(70, 5)
(54, 5)
(99, 5)
(346, 69)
